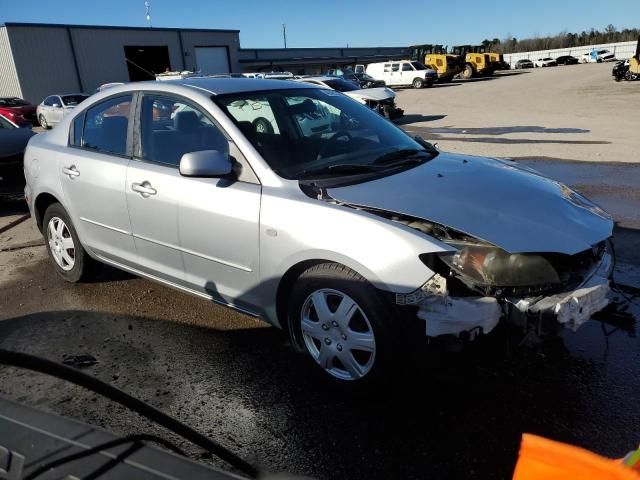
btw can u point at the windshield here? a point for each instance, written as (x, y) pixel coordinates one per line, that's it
(12, 102)
(299, 131)
(73, 100)
(341, 85)
(5, 124)
(418, 66)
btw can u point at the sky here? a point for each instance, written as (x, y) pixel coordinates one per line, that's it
(338, 23)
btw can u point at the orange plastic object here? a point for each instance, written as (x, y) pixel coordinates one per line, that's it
(543, 459)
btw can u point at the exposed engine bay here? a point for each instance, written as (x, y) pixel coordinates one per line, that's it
(479, 284)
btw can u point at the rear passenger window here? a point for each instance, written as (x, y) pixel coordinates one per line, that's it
(171, 127)
(105, 126)
(395, 67)
(387, 67)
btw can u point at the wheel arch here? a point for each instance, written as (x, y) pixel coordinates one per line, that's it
(40, 205)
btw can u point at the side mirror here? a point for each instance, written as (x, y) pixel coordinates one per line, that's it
(56, 105)
(206, 163)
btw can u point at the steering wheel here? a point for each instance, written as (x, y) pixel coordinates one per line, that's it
(334, 142)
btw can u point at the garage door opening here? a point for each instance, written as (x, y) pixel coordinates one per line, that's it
(212, 60)
(144, 63)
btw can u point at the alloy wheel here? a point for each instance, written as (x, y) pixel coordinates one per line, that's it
(338, 334)
(61, 243)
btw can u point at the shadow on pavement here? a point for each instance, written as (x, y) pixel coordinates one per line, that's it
(417, 117)
(445, 416)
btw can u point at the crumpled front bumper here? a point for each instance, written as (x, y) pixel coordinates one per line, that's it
(470, 316)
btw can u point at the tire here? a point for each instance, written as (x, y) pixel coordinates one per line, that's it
(467, 73)
(70, 260)
(327, 338)
(263, 125)
(43, 122)
(417, 83)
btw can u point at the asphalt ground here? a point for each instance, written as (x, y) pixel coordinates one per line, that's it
(445, 416)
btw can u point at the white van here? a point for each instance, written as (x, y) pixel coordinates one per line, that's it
(403, 73)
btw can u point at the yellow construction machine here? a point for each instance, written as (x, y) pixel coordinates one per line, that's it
(476, 60)
(436, 57)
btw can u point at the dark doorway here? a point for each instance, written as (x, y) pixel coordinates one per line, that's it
(144, 63)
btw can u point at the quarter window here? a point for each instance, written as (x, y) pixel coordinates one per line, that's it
(106, 125)
(75, 136)
(171, 127)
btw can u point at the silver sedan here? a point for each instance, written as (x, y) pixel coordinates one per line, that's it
(332, 223)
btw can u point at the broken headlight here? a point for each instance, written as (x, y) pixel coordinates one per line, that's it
(489, 266)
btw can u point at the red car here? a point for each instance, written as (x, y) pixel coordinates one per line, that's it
(19, 111)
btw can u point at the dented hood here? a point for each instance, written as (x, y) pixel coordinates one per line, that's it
(499, 201)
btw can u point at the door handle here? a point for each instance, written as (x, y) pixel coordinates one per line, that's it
(72, 171)
(145, 189)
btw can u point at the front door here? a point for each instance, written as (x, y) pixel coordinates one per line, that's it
(93, 173)
(199, 232)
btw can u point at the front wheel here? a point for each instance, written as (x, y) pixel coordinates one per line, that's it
(418, 83)
(68, 256)
(43, 122)
(342, 323)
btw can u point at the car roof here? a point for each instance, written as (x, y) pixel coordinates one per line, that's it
(222, 86)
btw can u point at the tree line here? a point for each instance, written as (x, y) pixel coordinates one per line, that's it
(562, 40)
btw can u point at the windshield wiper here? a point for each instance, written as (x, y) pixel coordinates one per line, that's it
(341, 168)
(405, 153)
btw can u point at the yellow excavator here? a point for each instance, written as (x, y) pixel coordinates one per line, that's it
(436, 57)
(476, 60)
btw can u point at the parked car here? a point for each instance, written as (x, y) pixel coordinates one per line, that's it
(523, 63)
(566, 60)
(545, 62)
(104, 86)
(381, 99)
(19, 111)
(367, 81)
(55, 107)
(403, 73)
(13, 141)
(597, 56)
(355, 241)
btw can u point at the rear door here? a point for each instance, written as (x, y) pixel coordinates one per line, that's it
(93, 172)
(391, 75)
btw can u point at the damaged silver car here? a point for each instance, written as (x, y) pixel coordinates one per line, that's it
(333, 224)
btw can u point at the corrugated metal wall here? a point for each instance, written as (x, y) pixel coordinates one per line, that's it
(9, 84)
(43, 61)
(44, 55)
(100, 52)
(622, 51)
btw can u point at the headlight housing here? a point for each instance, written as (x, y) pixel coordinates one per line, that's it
(488, 266)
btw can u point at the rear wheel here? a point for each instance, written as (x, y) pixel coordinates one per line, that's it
(43, 122)
(418, 83)
(68, 256)
(342, 323)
